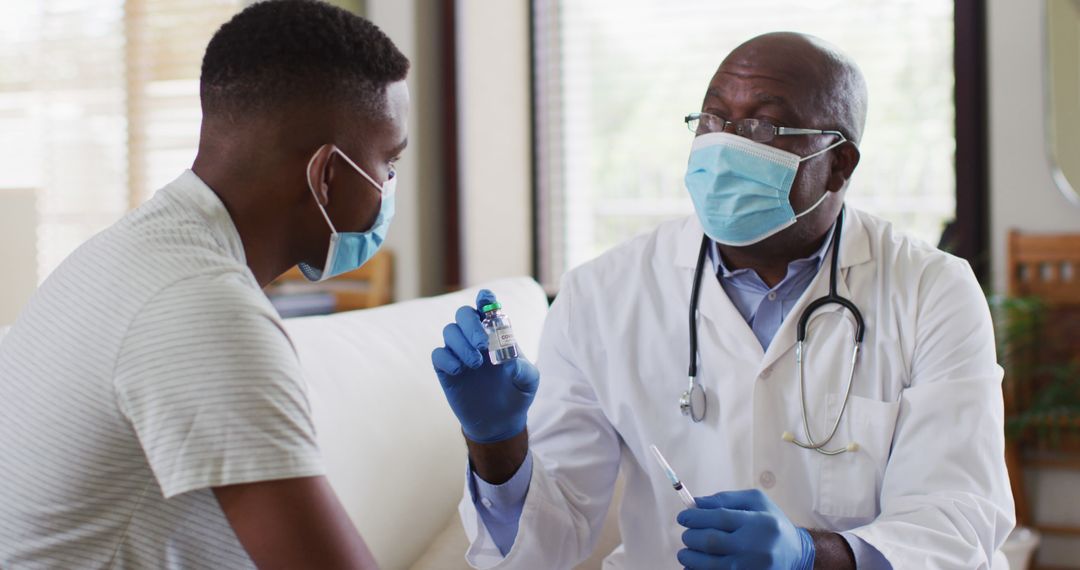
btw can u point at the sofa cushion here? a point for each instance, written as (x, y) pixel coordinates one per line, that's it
(447, 550)
(393, 450)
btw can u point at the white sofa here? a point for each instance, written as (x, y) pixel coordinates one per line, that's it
(393, 449)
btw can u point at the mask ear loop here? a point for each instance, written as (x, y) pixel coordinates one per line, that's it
(315, 194)
(826, 194)
(826, 149)
(385, 190)
(379, 187)
(811, 208)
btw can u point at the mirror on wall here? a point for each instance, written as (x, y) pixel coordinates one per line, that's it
(1062, 26)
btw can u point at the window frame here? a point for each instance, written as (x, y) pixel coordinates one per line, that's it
(971, 226)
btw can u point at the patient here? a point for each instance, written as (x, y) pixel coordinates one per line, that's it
(152, 410)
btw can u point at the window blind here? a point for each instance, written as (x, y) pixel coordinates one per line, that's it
(98, 106)
(166, 41)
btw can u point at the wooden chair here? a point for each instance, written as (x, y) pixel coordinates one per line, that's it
(369, 286)
(1045, 266)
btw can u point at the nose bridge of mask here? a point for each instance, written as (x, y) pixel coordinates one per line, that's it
(761, 150)
(746, 146)
(389, 188)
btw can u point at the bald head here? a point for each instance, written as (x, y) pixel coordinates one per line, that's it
(798, 81)
(828, 86)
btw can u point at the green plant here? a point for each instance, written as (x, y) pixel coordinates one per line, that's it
(1053, 409)
(1017, 322)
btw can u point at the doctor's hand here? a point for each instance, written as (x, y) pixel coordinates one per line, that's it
(742, 529)
(491, 401)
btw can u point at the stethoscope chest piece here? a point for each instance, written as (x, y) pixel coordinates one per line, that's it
(693, 402)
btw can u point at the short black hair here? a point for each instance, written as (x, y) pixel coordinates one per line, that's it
(279, 52)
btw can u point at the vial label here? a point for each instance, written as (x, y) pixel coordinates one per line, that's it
(502, 338)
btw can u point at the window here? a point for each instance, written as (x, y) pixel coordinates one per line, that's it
(99, 106)
(614, 78)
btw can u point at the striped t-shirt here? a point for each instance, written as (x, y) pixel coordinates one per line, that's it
(146, 370)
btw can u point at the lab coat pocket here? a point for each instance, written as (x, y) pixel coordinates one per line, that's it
(849, 484)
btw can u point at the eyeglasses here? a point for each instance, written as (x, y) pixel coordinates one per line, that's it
(754, 129)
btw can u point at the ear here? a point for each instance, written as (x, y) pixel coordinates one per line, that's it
(845, 159)
(320, 173)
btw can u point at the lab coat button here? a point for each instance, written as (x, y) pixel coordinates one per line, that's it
(486, 502)
(766, 373)
(767, 479)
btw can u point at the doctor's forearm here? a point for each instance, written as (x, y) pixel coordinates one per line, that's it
(497, 462)
(832, 551)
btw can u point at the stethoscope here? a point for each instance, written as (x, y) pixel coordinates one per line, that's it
(693, 401)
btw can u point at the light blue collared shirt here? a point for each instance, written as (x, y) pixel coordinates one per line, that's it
(764, 308)
(500, 506)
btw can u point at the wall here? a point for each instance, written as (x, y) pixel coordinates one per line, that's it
(416, 232)
(494, 138)
(18, 251)
(494, 142)
(1022, 190)
(1023, 196)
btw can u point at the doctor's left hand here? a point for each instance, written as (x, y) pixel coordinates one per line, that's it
(742, 529)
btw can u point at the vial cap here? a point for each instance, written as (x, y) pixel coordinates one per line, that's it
(491, 307)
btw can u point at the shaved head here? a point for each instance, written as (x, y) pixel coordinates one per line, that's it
(305, 111)
(835, 88)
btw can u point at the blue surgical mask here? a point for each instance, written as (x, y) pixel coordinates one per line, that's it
(350, 250)
(741, 188)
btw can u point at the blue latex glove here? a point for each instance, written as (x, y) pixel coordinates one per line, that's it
(743, 529)
(490, 401)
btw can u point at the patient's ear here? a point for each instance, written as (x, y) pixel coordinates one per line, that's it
(320, 172)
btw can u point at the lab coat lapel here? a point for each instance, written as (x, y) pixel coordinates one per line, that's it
(715, 308)
(854, 250)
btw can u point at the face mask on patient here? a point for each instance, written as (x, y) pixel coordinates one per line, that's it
(350, 250)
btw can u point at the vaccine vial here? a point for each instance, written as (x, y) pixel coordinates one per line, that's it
(502, 346)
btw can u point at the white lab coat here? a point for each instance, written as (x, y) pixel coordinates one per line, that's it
(927, 487)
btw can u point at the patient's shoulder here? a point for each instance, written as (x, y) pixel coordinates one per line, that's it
(218, 295)
(209, 315)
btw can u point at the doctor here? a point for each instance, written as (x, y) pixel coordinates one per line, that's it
(893, 461)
